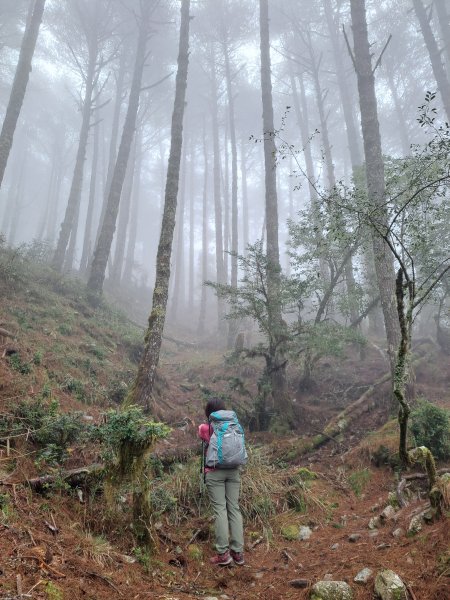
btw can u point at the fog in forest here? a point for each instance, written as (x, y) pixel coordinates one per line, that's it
(77, 114)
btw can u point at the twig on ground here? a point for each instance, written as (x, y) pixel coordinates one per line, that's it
(107, 579)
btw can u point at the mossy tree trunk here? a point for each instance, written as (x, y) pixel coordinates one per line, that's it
(143, 387)
(402, 363)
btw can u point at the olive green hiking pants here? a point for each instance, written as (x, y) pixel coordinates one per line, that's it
(223, 489)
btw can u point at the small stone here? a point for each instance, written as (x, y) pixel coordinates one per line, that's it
(397, 533)
(328, 577)
(354, 537)
(331, 590)
(388, 514)
(409, 560)
(363, 576)
(299, 583)
(415, 525)
(334, 546)
(389, 586)
(259, 575)
(211, 598)
(374, 523)
(305, 533)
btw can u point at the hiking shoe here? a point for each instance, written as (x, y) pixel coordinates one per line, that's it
(221, 560)
(238, 557)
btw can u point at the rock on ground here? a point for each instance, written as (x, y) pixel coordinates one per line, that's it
(389, 586)
(331, 590)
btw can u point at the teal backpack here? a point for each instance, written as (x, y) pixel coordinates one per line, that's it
(226, 448)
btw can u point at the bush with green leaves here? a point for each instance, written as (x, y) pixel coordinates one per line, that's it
(126, 435)
(16, 363)
(51, 430)
(430, 426)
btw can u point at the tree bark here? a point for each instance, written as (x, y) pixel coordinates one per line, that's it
(87, 239)
(205, 239)
(178, 293)
(124, 218)
(129, 261)
(220, 268)
(277, 368)
(143, 387)
(435, 55)
(404, 137)
(375, 175)
(20, 83)
(191, 285)
(113, 141)
(245, 223)
(108, 227)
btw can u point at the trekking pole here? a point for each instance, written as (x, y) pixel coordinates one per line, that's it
(202, 467)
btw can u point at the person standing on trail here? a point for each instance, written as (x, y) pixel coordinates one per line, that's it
(224, 452)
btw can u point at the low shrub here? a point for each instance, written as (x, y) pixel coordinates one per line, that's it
(430, 426)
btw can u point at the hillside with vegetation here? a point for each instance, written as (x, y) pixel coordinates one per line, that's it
(310, 513)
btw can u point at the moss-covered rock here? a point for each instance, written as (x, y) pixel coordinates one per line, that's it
(331, 590)
(389, 586)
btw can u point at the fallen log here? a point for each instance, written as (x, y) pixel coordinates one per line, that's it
(73, 477)
(342, 421)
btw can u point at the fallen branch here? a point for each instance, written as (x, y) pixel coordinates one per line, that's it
(106, 579)
(73, 477)
(342, 421)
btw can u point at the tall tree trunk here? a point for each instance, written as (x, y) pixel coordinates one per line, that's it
(87, 240)
(113, 141)
(245, 224)
(444, 24)
(53, 212)
(143, 387)
(191, 228)
(73, 203)
(435, 55)
(226, 205)
(108, 226)
(220, 269)
(124, 219)
(404, 138)
(71, 248)
(205, 239)
(129, 260)
(179, 279)
(320, 100)
(234, 175)
(277, 368)
(375, 174)
(20, 83)
(353, 138)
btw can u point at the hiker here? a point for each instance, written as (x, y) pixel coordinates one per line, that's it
(223, 482)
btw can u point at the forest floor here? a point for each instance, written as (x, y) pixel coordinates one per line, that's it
(62, 544)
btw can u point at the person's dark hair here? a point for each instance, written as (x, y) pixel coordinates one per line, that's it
(214, 404)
